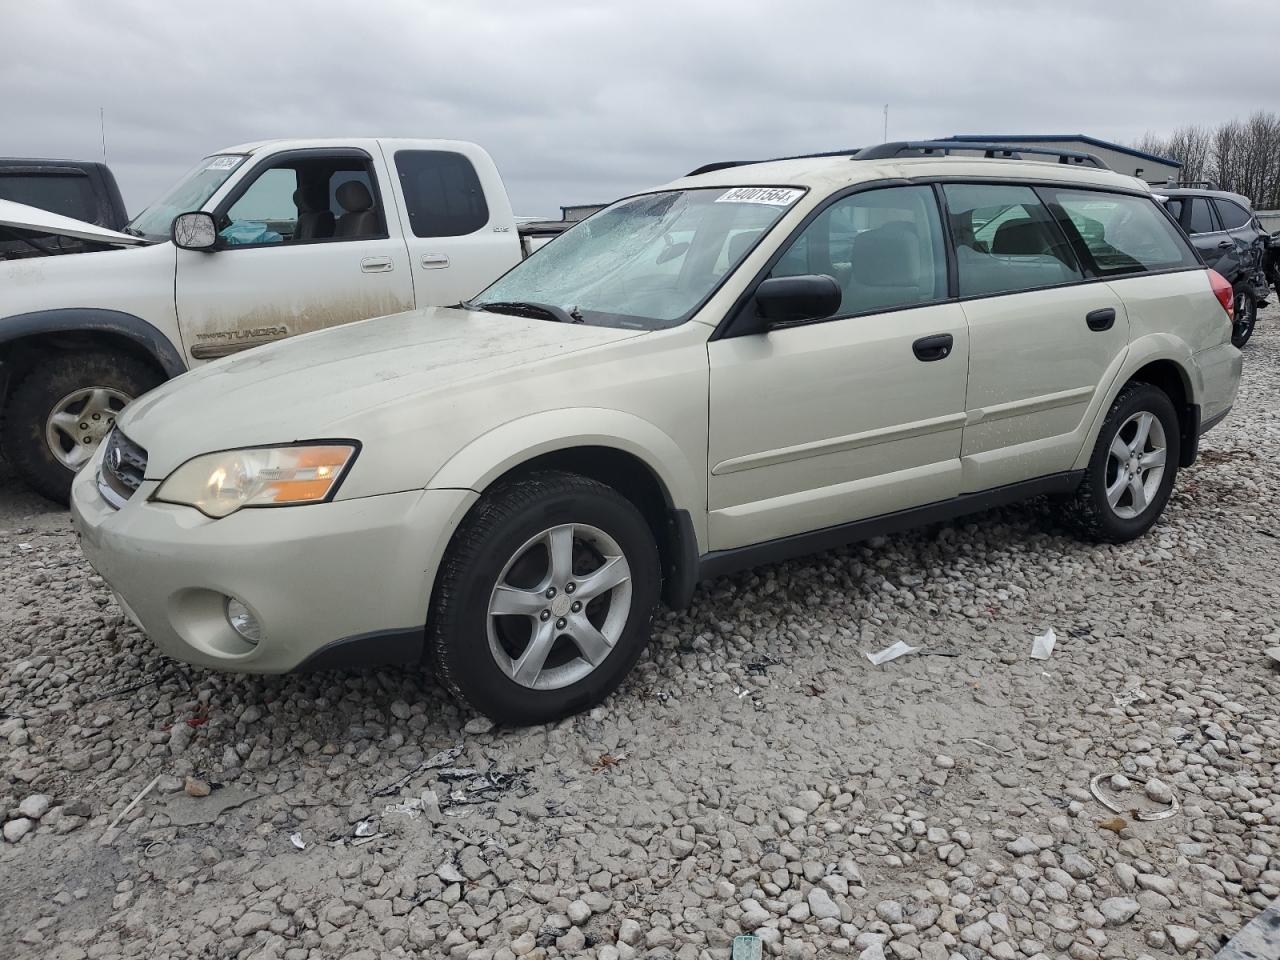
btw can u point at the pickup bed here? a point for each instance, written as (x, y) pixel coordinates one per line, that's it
(303, 234)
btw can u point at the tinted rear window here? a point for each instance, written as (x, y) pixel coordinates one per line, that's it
(442, 193)
(1201, 217)
(1121, 234)
(70, 195)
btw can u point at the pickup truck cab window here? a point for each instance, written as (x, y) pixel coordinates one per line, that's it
(647, 262)
(1005, 240)
(305, 200)
(442, 193)
(884, 248)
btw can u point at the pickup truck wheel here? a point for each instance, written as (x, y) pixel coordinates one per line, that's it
(545, 599)
(1243, 317)
(1131, 472)
(61, 409)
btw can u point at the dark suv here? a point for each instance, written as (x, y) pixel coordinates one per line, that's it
(1229, 238)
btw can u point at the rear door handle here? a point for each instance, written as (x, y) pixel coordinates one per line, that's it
(1099, 320)
(376, 264)
(435, 261)
(1224, 244)
(936, 347)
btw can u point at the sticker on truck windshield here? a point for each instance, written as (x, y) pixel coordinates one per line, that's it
(773, 196)
(223, 163)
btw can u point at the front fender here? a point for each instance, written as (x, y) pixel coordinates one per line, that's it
(482, 461)
(94, 320)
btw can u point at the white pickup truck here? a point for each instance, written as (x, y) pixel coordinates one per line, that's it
(259, 242)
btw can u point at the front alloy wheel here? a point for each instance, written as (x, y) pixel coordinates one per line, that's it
(545, 597)
(559, 606)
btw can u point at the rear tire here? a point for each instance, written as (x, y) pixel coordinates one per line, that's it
(527, 624)
(1122, 495)
(45, 404)
(1243, 318)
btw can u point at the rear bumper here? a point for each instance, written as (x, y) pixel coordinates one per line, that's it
(335, 584)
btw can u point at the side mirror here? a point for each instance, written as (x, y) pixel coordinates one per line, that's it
(194, 231)
(792, 299)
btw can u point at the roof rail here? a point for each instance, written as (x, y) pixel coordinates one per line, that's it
(726, 164)
(1193, 184)
(1001, 151)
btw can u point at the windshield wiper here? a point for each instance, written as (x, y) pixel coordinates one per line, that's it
(530, 308)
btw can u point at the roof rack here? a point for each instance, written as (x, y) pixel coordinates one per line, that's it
(1192, 184)
(997, 151)
(726, 164)
(924, 148)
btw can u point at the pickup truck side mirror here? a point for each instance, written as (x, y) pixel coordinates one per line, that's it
(794, 299)
(194, 231)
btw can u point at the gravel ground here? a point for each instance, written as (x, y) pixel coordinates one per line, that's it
(756, 773)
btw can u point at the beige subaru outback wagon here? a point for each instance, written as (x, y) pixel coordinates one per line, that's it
(750, 363)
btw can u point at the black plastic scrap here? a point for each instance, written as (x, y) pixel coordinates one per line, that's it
(482, 788)
(758, 666)
(442, 759)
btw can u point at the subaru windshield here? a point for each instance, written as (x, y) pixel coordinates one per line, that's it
(191, 193)
(646, 263)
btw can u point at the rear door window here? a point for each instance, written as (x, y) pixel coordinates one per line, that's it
(1006, 241)
(1119, 233)
(442, 193)
(1201, 219)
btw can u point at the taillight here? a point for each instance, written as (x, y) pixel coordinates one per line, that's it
(1222, 290)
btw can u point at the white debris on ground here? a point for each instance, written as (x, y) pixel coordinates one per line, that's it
(935, 807)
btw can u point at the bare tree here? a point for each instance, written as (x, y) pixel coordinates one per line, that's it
(1242, 156)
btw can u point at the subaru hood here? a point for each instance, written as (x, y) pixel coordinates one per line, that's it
(334, 383)
(19, 216)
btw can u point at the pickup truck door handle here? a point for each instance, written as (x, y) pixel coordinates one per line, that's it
(936, 347)
(376, 265)
(435, 261)
(1099, 320)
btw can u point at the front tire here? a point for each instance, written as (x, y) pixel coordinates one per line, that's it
(545, 599)
(61, 409)
(1132, 469)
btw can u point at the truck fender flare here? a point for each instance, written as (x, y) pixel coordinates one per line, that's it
(96, 320)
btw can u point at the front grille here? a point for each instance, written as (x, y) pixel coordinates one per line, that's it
(124, 464)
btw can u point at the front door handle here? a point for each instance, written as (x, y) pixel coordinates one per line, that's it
(435, 261)
(936, 347)
(376, 264)
(1099, 320)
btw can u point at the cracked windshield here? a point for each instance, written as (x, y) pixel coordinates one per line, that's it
(647, 262)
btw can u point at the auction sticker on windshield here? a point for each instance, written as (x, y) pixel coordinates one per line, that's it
(223, 163)
(774, 196)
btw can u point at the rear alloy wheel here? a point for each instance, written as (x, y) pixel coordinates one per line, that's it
(62, 407)
(1243, 317)
(545, 598)
(1132, 469)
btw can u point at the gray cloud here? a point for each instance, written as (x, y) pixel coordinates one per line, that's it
(586, 101)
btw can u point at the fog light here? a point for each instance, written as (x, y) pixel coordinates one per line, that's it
(243, 622)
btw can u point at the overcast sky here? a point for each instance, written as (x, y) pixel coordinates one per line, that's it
(587, 101)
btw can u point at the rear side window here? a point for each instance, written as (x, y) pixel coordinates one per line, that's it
(442, 193)
(1232, 215)
(1121, 234)
(1006, 241)
(1201, 220)
(883, 247)
(70, 195)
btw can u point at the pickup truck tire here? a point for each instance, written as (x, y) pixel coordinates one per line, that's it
(97, 384)
(545, 599)
(1132, 469)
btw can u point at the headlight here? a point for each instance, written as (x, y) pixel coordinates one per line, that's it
(219, 484)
